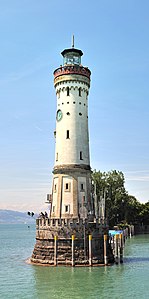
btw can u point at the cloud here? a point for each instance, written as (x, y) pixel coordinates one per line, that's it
(137, 171)
(137, 175)
(38, 128)
(27, 71)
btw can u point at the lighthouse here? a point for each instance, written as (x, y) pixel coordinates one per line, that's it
(72, 233)
(71, 191)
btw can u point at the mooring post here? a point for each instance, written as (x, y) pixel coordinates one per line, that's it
(55, 250)
(113, 243)
(116, 248)
(121, 248)
(73, 251)
(90, 250)
(130, 234)
(105, 250)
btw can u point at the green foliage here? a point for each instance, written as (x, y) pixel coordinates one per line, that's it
(144, 214)
(120, 207)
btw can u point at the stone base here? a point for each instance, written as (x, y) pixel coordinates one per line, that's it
(54, 243)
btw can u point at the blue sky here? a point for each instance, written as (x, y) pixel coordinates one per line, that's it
(114, 38)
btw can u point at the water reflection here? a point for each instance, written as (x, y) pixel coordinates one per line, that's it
(136, 259)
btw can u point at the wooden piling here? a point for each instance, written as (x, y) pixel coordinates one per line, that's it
(73, 251)
(105, 250)
(116, 248)
(121, 248)
(130, 232)
(90, 250)
(55, 250)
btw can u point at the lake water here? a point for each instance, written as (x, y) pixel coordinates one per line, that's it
(23, 281)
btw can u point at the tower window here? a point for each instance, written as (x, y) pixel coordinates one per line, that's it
(74, 102)
(53, 209)
(82, 187)
(67, 187)
(80, 113)
(56, 156)
(67, 134)
(81, 156)
(68, 113)
(67, 102)
(79, 91)
(67, 91)
(55, 187)
(80, 103)
(67, 209)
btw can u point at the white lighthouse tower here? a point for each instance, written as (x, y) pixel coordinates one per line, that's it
(71, 235)
(71, 191)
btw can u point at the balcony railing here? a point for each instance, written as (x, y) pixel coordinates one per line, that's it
(72, 69)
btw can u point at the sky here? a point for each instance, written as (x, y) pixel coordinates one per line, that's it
(114, 37)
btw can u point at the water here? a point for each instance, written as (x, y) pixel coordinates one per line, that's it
(23, 281)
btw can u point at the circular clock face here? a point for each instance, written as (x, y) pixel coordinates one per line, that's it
(59, 115)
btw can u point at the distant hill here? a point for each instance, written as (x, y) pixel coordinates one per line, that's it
(9, 216)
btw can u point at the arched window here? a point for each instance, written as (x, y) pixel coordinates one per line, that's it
(79, 91)
(67, 134)
(67, 91)
(58, 94)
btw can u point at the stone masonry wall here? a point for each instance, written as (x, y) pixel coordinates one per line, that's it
(44, 249)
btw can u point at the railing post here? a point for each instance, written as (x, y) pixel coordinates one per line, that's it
(90, 250)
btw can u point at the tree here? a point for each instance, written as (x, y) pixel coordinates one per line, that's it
(133, 210)
(119, 206)
(144, 214)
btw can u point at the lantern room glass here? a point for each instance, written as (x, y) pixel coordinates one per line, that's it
(72, 58)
